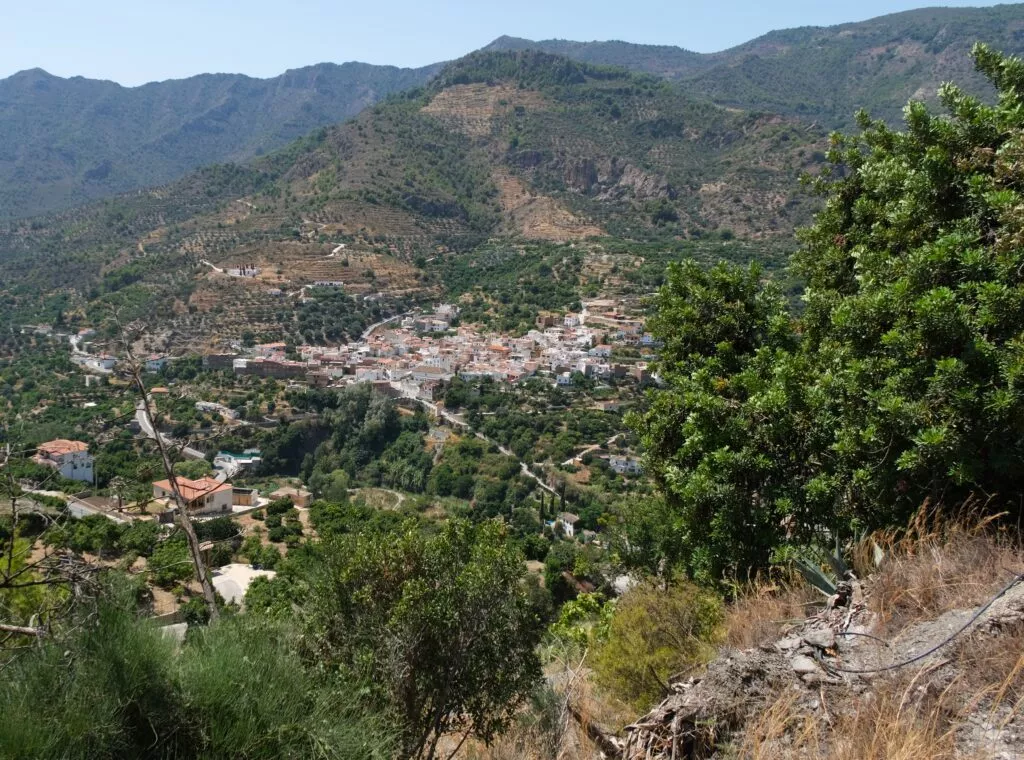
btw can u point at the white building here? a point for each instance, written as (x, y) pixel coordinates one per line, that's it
(441, 361)
(423, 372)
(203, 496)
(103, 363)
(369, 374)
(70, 458)
(625, 465)
(212, 407)
(568, 521)
(155, 362)
(564, 379)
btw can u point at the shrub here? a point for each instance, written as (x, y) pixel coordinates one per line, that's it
(654, 634)
(111, 686)
(140, 537)
(279, 507)
(170, 562)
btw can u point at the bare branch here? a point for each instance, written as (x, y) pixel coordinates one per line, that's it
(22, 630)
(184, 520)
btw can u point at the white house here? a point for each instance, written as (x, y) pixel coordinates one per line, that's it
(368, 374)
(203, 496)
(625, 465)
(441, 361)
(423, 372)
(569, 522)
(564, 379)
(214, 408)
(70, 458)
(571, 320)
(103, 363)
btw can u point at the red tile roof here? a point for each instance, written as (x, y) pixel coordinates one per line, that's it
(62, 446)
(193, 489)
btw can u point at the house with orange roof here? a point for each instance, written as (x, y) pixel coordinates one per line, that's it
(203, 496)
(70, 458)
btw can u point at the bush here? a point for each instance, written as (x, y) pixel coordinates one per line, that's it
(115, 688)
(170, 562)
(442, 624)
(654, 634)
(279, 507)
(140, 537)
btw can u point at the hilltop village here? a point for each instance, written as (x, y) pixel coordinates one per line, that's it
(570, 379)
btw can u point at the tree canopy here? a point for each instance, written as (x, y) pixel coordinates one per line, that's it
(442, 624)
(899, 382)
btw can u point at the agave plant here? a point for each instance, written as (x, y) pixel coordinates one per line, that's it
(813, 573)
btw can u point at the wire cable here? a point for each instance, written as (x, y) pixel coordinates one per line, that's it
(917, 658)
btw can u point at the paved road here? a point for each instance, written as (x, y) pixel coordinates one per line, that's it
(455, 420)
(372, 328)
(592, 447)
(148, 431)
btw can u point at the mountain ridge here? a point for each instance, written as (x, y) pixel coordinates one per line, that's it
(825, 73)
(69, 141)
(66, 141)
(507, 149)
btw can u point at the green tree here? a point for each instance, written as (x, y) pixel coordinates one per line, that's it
(170, 562)
(724, 434)
(915, 272)
(443, 624)
(900, 382)
(108, 684)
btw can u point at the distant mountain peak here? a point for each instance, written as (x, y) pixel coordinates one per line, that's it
(506, 42)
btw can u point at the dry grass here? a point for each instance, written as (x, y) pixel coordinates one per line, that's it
(924, 714)
(937, 564)
(764, 608)
(886, 725)
(945, 710)
(940, 711)
(546, 729)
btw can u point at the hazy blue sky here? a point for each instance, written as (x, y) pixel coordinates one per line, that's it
(136, 41)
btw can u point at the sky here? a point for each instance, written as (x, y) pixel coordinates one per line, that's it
(138, 41)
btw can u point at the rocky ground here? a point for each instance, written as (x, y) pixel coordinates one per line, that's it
(813, 692)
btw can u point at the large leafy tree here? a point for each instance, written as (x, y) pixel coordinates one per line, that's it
(442, 625)
(915, 305)
(724, 433)
(901, 381)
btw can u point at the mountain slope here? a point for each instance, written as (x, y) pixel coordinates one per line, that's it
(823, 73)
(526, 148)
(535, 145)
(68, 141)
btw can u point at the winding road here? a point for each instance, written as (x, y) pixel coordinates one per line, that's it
(149, 432)
(446, 415)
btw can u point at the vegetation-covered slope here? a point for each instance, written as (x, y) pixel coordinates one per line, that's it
(534, 145)
(521, 146)
(67, 141)
(823, 73)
